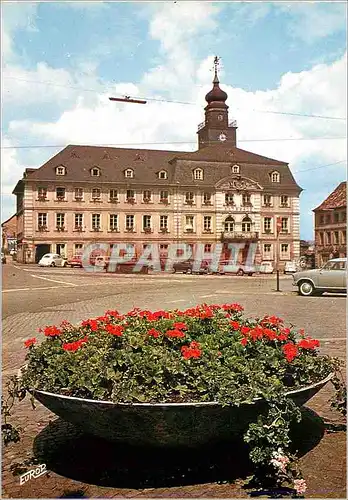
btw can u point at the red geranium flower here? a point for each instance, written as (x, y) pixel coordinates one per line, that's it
(114, 314)
(271, 320)
(92, 323)
(180, 326)
(270, 334)
(30, 342)
(235, 325)
(51, 331)
(154, 333)
(244, 341)
(175, 334)
(308, 343)
(74, 346)
(232, 307)
(245, 330)
(116, 330)
(191, 351)
(290, 350)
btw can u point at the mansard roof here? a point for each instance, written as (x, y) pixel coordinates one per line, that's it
(216, 161)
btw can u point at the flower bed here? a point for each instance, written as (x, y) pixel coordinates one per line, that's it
(208, 353)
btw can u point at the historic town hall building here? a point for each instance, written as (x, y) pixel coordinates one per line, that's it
(219, 193)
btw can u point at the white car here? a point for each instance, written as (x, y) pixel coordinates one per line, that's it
(266, 267)
(52, 260)
(290, 267)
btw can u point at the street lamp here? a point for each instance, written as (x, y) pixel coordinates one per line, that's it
(127, 98)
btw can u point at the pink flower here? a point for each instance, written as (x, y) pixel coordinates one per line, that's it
(300, 486)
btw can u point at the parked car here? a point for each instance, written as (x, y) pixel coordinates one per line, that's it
(3, 258)
(266, 267)
(330, 278)
(75, 261)
(187, 267)
(290, 267)
(239, 269)
(52, 260)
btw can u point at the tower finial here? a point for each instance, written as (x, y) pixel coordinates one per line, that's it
(216, 65)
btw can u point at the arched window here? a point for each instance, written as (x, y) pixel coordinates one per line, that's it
(246, 225)
(229, 224)
(162, 174)
(198, 174)
(275, 176)
(235, 169)
(129, 173)
(95, 172)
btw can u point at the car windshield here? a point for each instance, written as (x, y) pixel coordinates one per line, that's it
(334, 266)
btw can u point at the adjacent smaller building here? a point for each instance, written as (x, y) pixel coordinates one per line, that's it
(330, 226)
(9, 234)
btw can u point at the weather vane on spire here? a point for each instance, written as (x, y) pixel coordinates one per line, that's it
(216, 65)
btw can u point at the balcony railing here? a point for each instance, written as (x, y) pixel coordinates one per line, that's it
(241, 236)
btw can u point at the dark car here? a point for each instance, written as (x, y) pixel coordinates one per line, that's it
(187, 267)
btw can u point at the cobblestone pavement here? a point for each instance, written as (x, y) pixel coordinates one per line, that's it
(80, 466)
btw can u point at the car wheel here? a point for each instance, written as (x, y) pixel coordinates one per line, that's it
(53, 264)
(65, 264)
(306, 289)
(189, 271)
(240, 272)
(250, 274)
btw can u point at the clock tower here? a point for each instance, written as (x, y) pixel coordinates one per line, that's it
(216, 129)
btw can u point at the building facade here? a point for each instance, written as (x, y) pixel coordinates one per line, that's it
(330, 226)
(219, 193)
(9, 234)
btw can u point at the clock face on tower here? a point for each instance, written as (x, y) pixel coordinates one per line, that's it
(222, 137)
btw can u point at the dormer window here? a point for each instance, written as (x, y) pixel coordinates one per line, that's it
(60, 170)
(275, 177)
(198, 174)
(235, 169)
(129, 174)
(95, 172)
(162, 174)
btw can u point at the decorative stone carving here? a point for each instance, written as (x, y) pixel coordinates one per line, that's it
(239, 183)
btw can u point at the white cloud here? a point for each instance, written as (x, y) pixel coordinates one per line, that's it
(15, 16)
(315, 20)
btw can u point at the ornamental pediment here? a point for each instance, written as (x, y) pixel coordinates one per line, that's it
(238, 183)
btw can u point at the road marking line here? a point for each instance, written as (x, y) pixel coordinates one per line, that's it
(34, 288)
(174, 301)
(332, 339)
(55, 281)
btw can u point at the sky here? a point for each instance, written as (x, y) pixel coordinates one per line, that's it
(280, 62)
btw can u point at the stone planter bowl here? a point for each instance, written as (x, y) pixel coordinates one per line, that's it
(162, 424)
